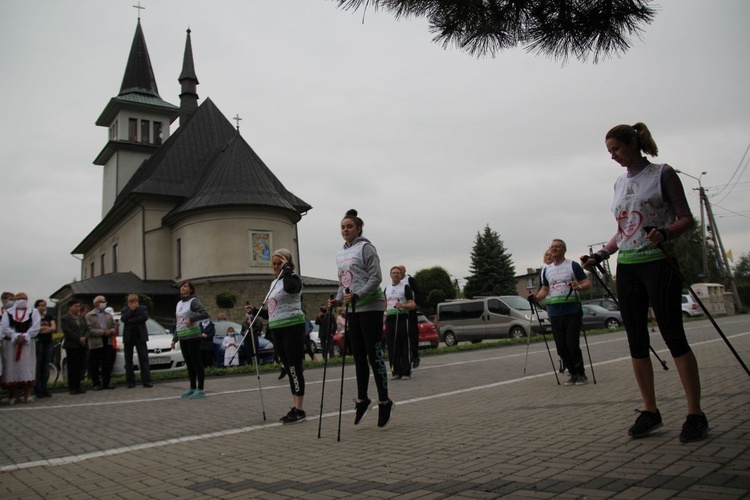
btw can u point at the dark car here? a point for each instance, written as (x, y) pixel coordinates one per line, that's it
(608, 304)
(265, 347)
(598, 317)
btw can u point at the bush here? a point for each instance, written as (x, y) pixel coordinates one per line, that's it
(225, 300)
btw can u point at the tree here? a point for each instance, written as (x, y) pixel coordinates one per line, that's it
(435, 286)
(557, 29)
(742, 269)
(688, 248)
(225, 300)
(492, 270)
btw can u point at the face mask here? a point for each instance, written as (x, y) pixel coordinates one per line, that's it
(9, 304)
(102, 306)
(21, 304)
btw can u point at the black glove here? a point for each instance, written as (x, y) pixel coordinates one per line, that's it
(597, 258)
(532, 299)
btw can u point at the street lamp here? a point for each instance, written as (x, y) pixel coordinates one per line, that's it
(701, 195)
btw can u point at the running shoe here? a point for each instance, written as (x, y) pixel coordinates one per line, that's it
(395, 377)
(645, 423)
(294, 416)
(582, 379)
(198, 395)
(415, 363)
(360, 409)
(188, 393)
(572, 380)
(695, 428)
(385, 410)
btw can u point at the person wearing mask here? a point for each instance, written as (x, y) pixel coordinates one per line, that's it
(7, 303)
(19, 327)
(230, 344)
(399, 302)
(101, 331)
(43, 349)
(359, 286)
(645, 277)
(189, 313)
(135, 336)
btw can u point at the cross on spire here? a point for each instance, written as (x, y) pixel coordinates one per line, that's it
(237, 119)
(139, 9)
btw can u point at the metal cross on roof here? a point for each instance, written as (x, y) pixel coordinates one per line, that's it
(237, 119)
(139, 9)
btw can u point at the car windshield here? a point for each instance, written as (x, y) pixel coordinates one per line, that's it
(516, 302)
(421, 318)
(595, 309)
(222, 326)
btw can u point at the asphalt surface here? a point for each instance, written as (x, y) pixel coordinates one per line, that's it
(467, 425)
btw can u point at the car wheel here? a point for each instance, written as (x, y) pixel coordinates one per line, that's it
(612, 323)
(336, 350)
(517, 333)
(450, 339)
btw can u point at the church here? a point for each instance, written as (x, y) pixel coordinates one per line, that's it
(195, 204)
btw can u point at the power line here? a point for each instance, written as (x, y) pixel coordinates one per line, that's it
(730, 185)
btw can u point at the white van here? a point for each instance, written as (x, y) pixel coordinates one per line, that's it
(488, 318)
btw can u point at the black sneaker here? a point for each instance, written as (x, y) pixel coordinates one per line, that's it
(360, 409)
(572, 380)
(294, 416)
(645, 423)
(695, 428)
(582, 379)
(415, 363)
(384, 412)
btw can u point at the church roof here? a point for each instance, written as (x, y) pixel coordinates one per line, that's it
(117, 284)
(138, 89)
(204, 164)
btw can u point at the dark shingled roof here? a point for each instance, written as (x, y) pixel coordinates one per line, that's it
(120, 284)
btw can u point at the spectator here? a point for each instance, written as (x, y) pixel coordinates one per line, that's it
(20, 326)
(135, 336)
(101, 330)
(43, 349)
(208, 332)
(230, 344)
(74, 328)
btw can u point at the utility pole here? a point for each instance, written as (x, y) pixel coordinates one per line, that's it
(723, 262)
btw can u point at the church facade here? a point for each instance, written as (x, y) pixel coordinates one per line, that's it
(198, 204)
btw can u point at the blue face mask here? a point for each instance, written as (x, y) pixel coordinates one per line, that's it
(9, 304)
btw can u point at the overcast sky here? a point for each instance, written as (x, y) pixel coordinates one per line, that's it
(429, 144)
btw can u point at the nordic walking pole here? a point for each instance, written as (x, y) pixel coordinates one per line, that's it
(528, 342)
(343, 362)
(676, 269)
(584, 258)
(554, 370)
(583, 330)
(324, 344)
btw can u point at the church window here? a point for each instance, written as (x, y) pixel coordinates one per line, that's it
(101, 259)
(133, 130)
(157, 133)
(114, 258)
(145, 130)
(92, 269)
(113, 131)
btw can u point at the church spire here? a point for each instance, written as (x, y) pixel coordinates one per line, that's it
(139, 75)
(188, 83)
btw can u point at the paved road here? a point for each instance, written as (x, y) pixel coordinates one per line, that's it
(468, 425)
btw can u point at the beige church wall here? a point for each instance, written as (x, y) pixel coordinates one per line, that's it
(117, 172)
(218, 243)
(127, 236)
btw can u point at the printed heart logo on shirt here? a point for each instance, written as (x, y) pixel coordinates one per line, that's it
(345, 278)
(271, 306)
(629, 223)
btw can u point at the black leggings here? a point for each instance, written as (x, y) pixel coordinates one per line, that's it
(289, 342)
(191, 351)
(398, 344)
(566, 330)
(658, 285)
(365, 333)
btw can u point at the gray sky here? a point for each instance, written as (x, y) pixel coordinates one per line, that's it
(430, 145)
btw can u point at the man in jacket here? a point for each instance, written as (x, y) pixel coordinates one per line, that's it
(101, 326)
(135, 335)
(74, 343)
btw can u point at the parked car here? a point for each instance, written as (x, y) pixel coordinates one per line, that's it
(428, 336)
(161, 356)
(690, 307)
(265, 346)
(315, 337)
(608, 304)
(598, 317)
(489, 318)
